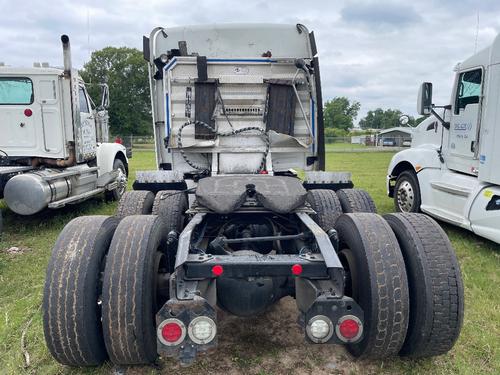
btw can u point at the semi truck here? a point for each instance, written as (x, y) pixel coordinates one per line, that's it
(54, 147)
(226, 223)
(452, 169)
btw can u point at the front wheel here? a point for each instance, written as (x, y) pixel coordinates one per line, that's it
(407, 193)
(117, 193)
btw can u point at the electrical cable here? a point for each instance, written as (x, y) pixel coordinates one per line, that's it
(192, 164)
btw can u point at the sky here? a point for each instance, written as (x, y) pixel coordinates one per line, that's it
(374, 52)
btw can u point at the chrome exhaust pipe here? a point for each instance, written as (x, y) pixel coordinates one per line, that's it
(66, 54)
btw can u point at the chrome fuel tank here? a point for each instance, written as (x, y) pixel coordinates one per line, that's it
(29, 193)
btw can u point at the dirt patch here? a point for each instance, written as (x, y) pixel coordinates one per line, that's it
(14, 250)
(271, 343)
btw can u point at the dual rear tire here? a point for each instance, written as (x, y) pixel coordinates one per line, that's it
(402, 270)
(103, 289)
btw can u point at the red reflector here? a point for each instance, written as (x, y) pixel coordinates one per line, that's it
(297, 269)
(28, 112)
(264, 172)
(349, 328)
(171, 332)
(217, 270)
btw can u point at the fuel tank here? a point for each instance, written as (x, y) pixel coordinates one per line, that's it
(29, 193)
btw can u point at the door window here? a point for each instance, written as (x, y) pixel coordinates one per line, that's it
(84, 105)
(469, 89)
(17, 90)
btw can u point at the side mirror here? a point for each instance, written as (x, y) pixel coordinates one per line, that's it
(424, 100)
(104, 96)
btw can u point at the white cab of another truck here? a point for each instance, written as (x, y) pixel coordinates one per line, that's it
(54, 146)
(452, 170)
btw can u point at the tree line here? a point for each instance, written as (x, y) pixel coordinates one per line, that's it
(126, 73)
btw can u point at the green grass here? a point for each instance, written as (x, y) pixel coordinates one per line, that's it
(343, 146)
(22, 278)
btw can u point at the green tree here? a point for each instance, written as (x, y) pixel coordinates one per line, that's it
(340, 113)
(383, 119)
(126, 73)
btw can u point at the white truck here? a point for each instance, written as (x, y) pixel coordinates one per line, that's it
(225, 222)
(54, 146)
(452, 170)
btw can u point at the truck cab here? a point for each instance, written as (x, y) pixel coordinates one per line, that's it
(451, 171)
(54, 147)
(35, 111)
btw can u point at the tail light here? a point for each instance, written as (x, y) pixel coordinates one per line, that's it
(297, 269)
(319, 329)
(349, 328)
(171, 332)
(202, 330)
(217, 270)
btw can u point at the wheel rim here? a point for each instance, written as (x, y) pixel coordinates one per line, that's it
(161, 282)
(351, 275)
(405, 196)
(122, 181)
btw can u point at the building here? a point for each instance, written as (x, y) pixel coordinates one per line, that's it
(395, 137)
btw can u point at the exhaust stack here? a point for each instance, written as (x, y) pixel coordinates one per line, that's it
(66, 54)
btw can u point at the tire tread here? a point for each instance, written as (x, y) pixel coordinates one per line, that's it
(356, 200)
(135, 202)
(443, 286)
(327, 206)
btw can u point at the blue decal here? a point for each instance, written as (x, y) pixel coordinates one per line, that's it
(167, 115)
(242, 60)
(170, 65)
(313, 128)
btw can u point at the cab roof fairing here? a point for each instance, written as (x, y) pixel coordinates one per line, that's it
(485, 57)
(234, 40)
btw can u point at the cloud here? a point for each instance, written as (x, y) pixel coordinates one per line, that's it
(374, 52)
(380, 15)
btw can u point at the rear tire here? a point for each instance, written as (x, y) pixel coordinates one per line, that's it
(170, 205)
(327, 206)
(135, 202)
(376, 280)
(71, 314)
(435, 283)
(407, 192)
(356, 200)
(130, 290)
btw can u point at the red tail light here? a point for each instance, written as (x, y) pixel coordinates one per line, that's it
(297, 269)
(349, 328)
(217, 270)
(171, 332)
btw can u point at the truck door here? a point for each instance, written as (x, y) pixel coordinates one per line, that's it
(465, 122)
(87, 121)
(50, 116)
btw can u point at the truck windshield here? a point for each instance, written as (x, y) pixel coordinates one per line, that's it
(16, 90)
